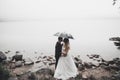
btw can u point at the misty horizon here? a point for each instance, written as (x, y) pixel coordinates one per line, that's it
(91, 36)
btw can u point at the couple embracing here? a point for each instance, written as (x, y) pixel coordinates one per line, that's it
(65, 67)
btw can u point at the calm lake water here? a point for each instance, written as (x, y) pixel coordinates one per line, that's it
(91, 36)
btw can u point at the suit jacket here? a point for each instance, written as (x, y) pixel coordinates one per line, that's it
(58, 49)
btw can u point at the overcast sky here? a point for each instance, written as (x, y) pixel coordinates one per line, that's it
(37, 9)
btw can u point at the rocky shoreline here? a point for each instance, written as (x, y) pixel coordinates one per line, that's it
(43, 68)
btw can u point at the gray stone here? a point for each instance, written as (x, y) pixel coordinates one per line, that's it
(13, 78)
(80, 67)
(88, 64)
(28, 61)
(2, 56)
(45, 74)
(17, 57)
(18, 63)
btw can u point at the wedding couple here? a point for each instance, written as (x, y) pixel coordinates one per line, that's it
(65, 67)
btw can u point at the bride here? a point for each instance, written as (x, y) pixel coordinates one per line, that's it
(66, 67)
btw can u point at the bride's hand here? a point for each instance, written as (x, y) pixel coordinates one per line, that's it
(64, 54)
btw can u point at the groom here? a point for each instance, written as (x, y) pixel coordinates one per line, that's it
(58, 50)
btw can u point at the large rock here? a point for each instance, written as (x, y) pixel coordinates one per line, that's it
(81, 67)
(88, 65)
(41, 74)
(115, 39)
(77, 61)
(2, 56)
(32, 76)
(18, 63)
(116, 76)
(45, 74)
(26, 76)
(17, 57)
(13, 78)
(28, 61)
(117, 61)
(105, 78)
(105, 67)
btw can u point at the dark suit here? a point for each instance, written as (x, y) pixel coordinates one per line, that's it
(58, 50)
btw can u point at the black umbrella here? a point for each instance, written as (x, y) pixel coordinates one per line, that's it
(64, 35)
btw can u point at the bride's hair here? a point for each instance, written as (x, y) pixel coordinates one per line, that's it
(66, 41)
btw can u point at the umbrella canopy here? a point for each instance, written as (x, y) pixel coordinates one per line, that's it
(64, 35)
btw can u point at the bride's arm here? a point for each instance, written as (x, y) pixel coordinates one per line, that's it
(65, 51)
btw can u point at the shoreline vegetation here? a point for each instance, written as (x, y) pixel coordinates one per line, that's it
(19, 68)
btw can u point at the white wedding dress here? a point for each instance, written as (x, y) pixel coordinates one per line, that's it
(66, 67)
